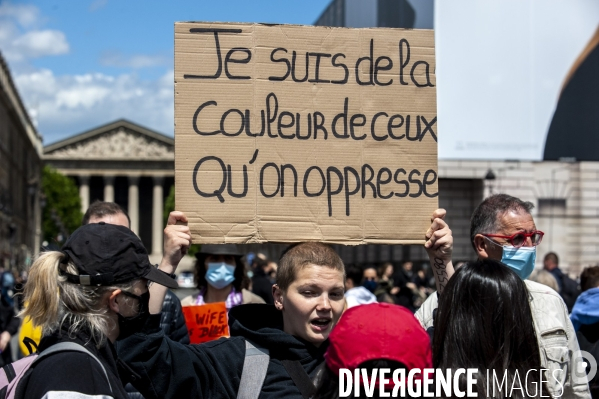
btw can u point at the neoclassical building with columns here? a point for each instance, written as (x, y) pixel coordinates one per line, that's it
(125, 163)
(134, 167)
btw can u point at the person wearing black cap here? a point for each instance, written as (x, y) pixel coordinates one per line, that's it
(220, 277)
(172, 320)
(93, 292)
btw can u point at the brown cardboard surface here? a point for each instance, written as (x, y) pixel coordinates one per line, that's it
(217, 150)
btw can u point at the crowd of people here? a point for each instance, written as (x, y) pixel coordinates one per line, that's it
(296, 324)
(365, 283)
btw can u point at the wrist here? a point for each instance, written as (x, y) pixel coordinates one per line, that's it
(166, 267)
(437, 259)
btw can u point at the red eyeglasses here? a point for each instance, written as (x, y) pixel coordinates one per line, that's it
(518, 239)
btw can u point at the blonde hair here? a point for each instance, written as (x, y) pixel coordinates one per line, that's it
(51, 299)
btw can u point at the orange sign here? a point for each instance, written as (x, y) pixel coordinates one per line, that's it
(206, 322)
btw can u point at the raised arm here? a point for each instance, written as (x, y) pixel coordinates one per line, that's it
(177, 239)
(439, 246)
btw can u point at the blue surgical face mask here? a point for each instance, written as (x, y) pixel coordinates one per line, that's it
(220, 274)
(521, 260)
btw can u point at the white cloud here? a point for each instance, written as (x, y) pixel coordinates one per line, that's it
(63, 105)
(66, 105)
(81, 97)
(39, 43)
(25, 14)
(22, 37)
(134, 61)
(7, 31)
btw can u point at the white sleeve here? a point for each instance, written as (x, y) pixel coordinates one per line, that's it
(425, 313)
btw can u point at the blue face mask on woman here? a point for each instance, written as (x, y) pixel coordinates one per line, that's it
(220, 274)
(521, 260)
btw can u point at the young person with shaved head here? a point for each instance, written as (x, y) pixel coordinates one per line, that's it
(308, 302)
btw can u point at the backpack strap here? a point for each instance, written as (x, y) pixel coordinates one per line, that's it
(73, 347)
(255, 365)
(300, 378)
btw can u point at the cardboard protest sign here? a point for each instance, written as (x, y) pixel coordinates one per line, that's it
(206, 322)
(291, 133)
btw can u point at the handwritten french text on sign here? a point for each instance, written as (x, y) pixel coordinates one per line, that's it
(206, 322)
(289, 133)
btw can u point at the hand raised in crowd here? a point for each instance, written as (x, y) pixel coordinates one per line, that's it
(439, 246)
(177, 239)
(439, 238)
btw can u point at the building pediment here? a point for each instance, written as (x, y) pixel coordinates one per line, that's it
(121, 140)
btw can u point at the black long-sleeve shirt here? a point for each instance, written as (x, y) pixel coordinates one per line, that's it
(171, 370)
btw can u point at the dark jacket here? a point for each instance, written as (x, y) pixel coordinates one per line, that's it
(262, 286)
(405, 297)
(213, 370)
(172, 322)
(73, 371)
(568, 288)
(9, 323)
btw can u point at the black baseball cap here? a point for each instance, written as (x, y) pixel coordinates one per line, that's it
(107, 254)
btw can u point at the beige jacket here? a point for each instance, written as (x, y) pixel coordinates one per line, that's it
(248, 297)
(557, 341)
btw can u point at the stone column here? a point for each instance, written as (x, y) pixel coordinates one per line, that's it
(37, 220)
(134, 203)
(84, 192)
(109, 188)
(157, 210)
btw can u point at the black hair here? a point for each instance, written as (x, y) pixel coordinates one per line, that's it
(259, 263)
(589, 278)
(484, 321)
(101, 208)
(328, 383)
(242, 281)
(484, 218)
(354, 273)
(552, 257)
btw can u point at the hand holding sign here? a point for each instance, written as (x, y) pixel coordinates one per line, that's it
(177, 239)
(439, 246)
(439, 238)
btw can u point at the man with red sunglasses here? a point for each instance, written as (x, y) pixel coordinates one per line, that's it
(502, 228)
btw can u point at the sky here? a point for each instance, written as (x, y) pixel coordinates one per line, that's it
(79, 64)
(500, 66)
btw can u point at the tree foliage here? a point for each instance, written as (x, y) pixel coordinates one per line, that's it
(169, 206)
(62, 211)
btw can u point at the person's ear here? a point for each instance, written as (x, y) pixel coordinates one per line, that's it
(113, 301)
(481, 246)
(277, 294)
